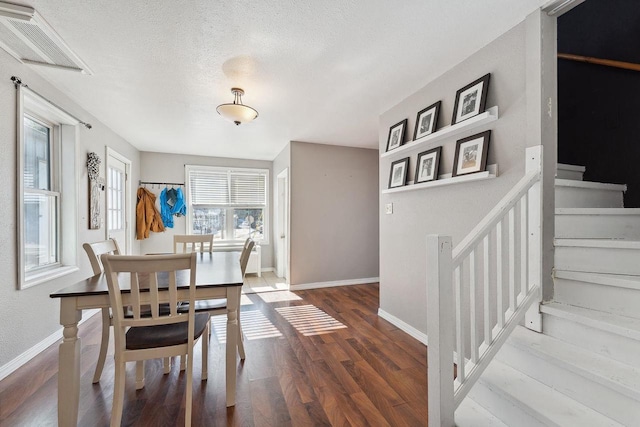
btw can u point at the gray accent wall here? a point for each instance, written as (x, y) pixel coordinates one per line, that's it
(163, 167)
(334, 213)
(29, 316)
(454, 210)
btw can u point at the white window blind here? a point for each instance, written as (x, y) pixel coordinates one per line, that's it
(227, 188)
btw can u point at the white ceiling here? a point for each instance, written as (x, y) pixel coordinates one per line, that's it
(316, 70)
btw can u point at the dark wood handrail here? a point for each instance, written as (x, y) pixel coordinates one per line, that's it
(606, 62)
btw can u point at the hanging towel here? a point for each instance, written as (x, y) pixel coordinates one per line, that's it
(147, 216)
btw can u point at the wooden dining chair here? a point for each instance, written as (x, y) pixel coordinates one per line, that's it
(191, 242)
(159, 335)
(218, 306)
(94, 251)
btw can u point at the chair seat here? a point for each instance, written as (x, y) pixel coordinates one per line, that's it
(204, 305)
(142, 337)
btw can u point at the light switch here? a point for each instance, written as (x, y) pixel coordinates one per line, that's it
(388, 208)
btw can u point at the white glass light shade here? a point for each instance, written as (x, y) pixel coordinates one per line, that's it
(236, 111)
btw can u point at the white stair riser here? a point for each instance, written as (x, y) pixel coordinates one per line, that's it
(512, 413)
(581, 388)
(569, 226)
(567, 174)
(598, 260)
(571, 197)
(620, 348)
(611, 299)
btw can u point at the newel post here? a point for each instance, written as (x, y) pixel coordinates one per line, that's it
(440, 331)
(533, 317)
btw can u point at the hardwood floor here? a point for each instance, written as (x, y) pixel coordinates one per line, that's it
(314, 358)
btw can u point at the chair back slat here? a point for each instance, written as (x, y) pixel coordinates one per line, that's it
(96, 249)
(193, 242)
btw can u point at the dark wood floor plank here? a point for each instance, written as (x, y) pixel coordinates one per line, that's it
(368, 373)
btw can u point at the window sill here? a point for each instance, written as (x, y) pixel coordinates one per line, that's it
(45, 276)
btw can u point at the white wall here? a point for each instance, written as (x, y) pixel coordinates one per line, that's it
(29, 316)
(334, 213)
(453, 210)
(163, 167)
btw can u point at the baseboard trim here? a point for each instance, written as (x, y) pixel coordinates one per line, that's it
(405, 327)
(263, 269)
(20, 360)
(318, 285)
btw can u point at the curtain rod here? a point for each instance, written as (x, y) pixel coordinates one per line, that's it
(159, 183)
(18, 82)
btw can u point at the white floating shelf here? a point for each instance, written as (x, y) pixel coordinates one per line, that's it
(461, 130)
(491, 172)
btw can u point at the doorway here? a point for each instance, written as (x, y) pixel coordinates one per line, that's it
(118, 203)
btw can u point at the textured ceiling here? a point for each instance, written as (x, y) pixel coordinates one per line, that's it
(317, 71)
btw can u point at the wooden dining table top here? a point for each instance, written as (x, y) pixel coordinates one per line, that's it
(216, 269)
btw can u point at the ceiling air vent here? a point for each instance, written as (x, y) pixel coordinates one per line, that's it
(26, 36)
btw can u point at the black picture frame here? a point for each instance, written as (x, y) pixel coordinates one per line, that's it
(471, 154)
(427, 121)
(398, 173)
(428, 165)
(467, 103)
(396, 135)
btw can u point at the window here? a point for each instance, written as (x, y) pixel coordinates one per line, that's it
(41, 198)
(47, 194)
(231, 204)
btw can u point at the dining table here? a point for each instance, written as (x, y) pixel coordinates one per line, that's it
(218, 275)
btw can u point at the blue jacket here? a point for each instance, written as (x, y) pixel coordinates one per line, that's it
(171, 203)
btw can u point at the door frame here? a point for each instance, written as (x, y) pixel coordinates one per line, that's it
(283, 225)
(112, 154)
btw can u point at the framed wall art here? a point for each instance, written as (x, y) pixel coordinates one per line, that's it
(398, 173)
(396, 135)
(471, 154)
(471, 100)
(428, 165)
(427, 121)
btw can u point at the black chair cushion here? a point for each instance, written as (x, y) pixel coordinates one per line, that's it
(142, 337)
(204, 305)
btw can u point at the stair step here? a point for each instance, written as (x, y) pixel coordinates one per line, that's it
(472, 414)
(598, 255)
(584, 194)
(574, 172)
(613, 293)
(617, 337)
(522, 401)
(609, 387)
(597, 223)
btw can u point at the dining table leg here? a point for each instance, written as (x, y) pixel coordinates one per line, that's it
(233, 305)
(69, 364)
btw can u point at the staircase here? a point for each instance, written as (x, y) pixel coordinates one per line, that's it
(584, 369)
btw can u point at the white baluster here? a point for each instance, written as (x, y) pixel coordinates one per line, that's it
(487, 305)
(499, 308)
(472, 306)
(459, 323)
(512, 262)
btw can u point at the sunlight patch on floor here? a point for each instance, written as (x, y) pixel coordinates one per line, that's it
(254, 326)
(309, 319)
(279, 296)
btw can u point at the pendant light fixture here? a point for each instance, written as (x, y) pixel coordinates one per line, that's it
(237, 112)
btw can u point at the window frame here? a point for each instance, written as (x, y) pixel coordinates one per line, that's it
(63, 148)
(230, 208)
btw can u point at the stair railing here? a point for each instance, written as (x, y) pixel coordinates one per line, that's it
(478, 292)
